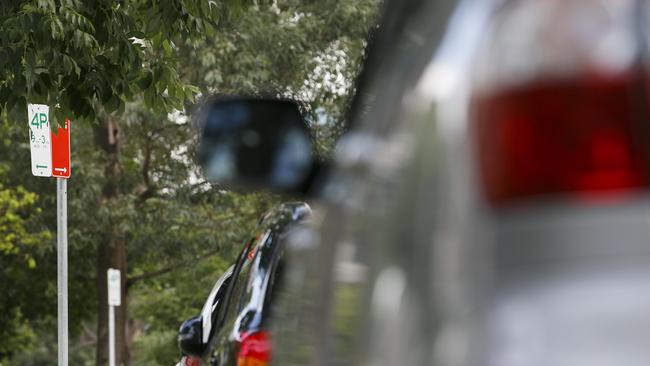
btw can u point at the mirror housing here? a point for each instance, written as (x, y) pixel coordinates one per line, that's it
(248, 143)
(189, 337)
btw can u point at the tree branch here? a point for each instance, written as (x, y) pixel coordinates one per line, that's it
(149, 275)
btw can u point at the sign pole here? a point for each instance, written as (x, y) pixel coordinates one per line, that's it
(62, 267)
(50, 155)
(114, 299)
(111, 335)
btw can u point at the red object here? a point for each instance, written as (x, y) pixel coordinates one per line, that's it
(588, 136)
(251, 254)
(61, 151)
(255, 350)
(192, 361)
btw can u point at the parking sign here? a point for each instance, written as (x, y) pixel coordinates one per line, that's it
(61, 151)
(114, 294)
(40, 140)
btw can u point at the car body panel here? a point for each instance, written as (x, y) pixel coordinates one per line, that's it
(430, 266)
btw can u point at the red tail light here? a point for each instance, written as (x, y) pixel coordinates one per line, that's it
(255, 350)
(585, 135)
(560, 104)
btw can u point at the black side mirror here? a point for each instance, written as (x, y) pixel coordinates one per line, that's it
(189, 337)
(255, 143)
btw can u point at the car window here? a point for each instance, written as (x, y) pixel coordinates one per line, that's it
(213, 304)
(242, 261)
(217, 299)
(240, 279)
(275, 280)
(239, 286)
(248, 285)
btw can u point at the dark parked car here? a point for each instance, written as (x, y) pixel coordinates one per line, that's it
(233, 328)
(243, 337)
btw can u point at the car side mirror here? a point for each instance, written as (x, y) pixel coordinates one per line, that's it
(189, 337)
(248, 143)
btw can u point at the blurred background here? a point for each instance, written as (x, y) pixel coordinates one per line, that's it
(137, 200)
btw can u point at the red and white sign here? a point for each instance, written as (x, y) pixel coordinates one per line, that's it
(61, 151)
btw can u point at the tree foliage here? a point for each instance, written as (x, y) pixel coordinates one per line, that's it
(85, 55)
(309, 51)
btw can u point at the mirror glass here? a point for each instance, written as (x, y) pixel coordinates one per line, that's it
(255, 143)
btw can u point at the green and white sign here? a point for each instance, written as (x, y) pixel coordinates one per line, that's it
(40, 139)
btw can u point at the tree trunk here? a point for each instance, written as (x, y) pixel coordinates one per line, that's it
(111, 252)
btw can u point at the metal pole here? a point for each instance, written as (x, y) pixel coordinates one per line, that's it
(62, 267)
(111, 335)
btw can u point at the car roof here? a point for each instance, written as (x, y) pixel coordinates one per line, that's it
(284, 214)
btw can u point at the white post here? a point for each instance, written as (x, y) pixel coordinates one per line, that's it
(111, 335)
(62, 268)
(114, 299)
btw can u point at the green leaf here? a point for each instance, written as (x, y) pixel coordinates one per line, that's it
(113, 104)
(59, 117)
(145, 82)
(167, 48)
